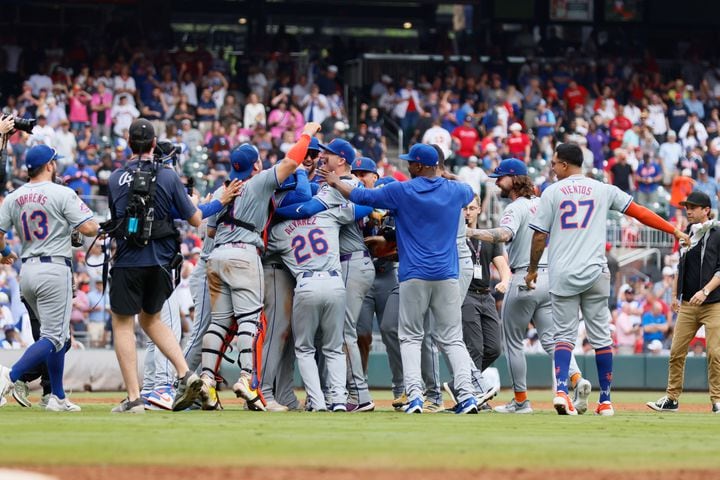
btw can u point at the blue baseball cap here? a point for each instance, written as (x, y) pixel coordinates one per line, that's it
(510, 167)
(314, 144)
(384, 181)
(363, 164)
(39, 155)
(421, 153)
(341, 148)
(242, 161)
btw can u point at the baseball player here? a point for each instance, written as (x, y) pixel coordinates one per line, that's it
(310, 249)
(44, 214)
(365, 170)
(157, 390)
(573, 211)
(425, 211)
(522, 305)
(357, 268)
(278, 357)
(235, 274)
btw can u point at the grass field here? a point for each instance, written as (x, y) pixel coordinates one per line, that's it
(634, 440)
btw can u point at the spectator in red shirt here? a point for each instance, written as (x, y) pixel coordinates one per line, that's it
(518, 143)
(575, 95)
(467, 137)
(618, 126)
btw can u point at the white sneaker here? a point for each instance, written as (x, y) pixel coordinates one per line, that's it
(581, 394)
(65, 405)
(5, 382)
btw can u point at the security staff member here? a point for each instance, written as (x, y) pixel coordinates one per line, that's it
(141, 278)
(480, 319)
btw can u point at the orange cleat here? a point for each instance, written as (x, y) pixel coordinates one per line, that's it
(563, 405)
(605, 409)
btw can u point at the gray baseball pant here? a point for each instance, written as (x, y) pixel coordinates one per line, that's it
(201, 299)
(593, 304)
(319, 303)
(47, 288)
(519, 308)
(358, 275)
(442, 299)
(158, 370)
(429, 356)
(279, 285)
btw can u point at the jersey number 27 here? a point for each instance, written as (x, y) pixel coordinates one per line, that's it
(570, 209)
(314, 240)
(38, 221)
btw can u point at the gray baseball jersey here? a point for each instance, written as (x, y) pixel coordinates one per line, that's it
(44, 214)
(516, 218)
(573, 211)
(351, 237)
(463, 249)
(312, 244)
(250, 206)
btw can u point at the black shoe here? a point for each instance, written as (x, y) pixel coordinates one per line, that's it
(664, 405)
(716, 407)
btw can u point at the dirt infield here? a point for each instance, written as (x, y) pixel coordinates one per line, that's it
(225, 473)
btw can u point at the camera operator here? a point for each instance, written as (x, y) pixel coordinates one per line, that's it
(141, 275)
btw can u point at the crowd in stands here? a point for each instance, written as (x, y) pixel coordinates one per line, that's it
(652, 133)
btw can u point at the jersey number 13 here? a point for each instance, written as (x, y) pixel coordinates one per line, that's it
(35, 225)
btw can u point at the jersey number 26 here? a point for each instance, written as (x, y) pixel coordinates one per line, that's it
(314, 240)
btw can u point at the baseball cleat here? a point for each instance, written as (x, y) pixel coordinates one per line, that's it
(514, 407)
(209, 399)
(664, 404)
(338, 408)
(187, 390)
(483, 397)
(243, 389)
(65, 405)
(362, 407)
(5, 383)
(716, 407)
(605, 409)
(485, 408)
(415, 406)
(580, 397)
(126, 406)
(273, 406)
(399, 402)
(449, 390)
(161, 397)
(563, 405)
(467, 406)
(21, 393)
(431, 407)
